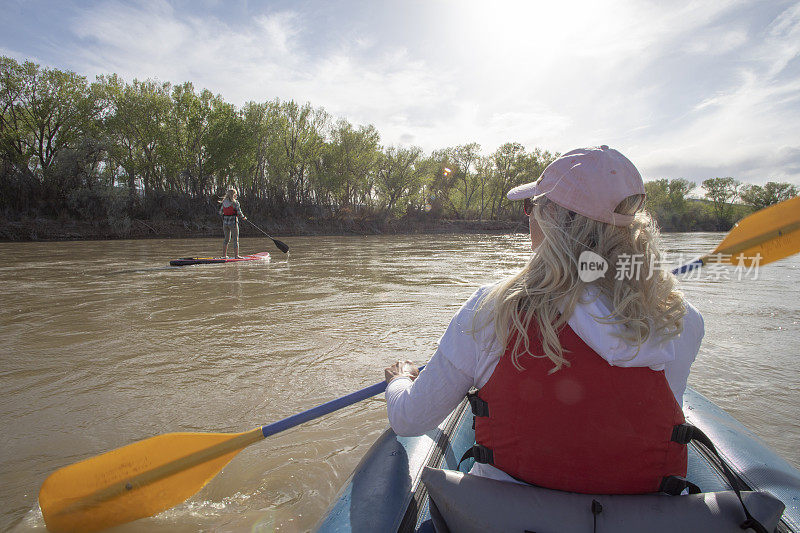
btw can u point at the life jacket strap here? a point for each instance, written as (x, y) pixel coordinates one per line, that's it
(480, 453)
(683, 434)
(597, 508)
(480, 407)
(675, 485)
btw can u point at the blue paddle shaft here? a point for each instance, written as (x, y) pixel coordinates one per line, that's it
(324, 409)
(697, 263)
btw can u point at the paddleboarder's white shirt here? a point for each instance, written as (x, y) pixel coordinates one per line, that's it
(467, 356)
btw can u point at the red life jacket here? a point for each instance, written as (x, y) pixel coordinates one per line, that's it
(589, 427)
(229, 210)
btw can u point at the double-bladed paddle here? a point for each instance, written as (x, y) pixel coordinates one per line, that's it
(152, 475)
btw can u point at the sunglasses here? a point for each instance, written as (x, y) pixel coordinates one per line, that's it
(527, 206)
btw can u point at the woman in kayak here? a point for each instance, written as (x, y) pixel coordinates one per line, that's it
(231, 212)
(581, 358)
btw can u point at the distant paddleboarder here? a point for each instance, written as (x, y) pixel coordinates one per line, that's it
(231, 211)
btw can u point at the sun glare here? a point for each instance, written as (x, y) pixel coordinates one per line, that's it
(517, 32)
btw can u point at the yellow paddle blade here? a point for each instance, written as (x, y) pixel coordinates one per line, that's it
(138, 480)
(769, 234)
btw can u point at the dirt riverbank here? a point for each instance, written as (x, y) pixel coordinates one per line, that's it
(44, 229)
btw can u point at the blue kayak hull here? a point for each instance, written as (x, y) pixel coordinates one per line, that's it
(385, 493)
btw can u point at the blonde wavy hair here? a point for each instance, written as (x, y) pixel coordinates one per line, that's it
(229, 194)
(548, 288)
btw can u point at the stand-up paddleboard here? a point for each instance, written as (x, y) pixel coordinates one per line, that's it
(183, 261)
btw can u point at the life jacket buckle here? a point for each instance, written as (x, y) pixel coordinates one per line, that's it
(683, 433)
(479, 406)
(482, 454)
(675, 485)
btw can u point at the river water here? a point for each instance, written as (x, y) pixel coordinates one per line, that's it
(102, 344)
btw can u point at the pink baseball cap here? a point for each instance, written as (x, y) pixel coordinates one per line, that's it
(589, 181)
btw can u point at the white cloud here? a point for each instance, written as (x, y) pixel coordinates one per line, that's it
(151, 39)
(783, 40)
(749, 129)
(264, 60)
(716, 42)
(279, 30)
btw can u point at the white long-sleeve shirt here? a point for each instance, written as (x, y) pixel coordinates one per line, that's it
(467, 355)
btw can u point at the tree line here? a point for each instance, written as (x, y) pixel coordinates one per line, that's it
(724, 202)
(115, 151)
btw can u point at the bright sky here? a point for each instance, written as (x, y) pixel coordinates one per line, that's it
(685, 89)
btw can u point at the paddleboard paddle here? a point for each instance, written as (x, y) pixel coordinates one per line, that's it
(280, 244)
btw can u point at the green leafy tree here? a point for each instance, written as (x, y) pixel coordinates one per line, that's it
(516, 166)
(227, 146)
(510, 167)
(44, 112)
(722, 192)
(350, 160)
(485, 171)
(136, 126)
(771, 193)
(190, 124)
(15, 145)
(678, 191)
(261, 153)
(48, 136)
(667, 201)
(657, 198)
(399, 177)
(441, 183)
(465, 180)
(302, 141)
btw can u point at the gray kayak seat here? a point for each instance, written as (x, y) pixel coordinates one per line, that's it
(464, 503)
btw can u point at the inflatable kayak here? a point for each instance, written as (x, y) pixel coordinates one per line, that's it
(393, 487)
(183, 261)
